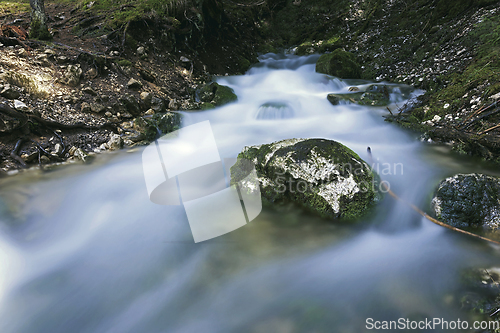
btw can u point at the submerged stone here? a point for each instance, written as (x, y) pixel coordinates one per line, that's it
(339, 63)
(321, 175)
(275, 110)
(471, 200)
(375, 95)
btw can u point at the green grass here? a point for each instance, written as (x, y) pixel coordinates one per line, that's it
(120, 12)
(14, 7)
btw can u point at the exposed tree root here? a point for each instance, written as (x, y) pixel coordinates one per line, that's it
(38, 121)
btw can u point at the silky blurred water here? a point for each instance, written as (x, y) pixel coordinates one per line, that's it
(82, 249)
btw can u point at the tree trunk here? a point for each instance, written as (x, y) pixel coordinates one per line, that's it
(38, 28)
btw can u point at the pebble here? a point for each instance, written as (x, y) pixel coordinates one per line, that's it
(134, 84)
(90, 91)
(436, 119)
(18, 105)
(72, 150)
(58, 149)
(97, 108)
(115, 142)
(85, 107)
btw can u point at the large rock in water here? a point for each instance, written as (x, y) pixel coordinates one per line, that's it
(339, 63)
(322, 175)
(471, 200)
(375, 95)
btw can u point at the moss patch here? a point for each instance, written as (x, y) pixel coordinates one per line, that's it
(214, 94)
(288, 171)
(339, 63)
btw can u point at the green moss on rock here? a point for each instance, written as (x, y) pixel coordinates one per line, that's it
(375, 95)
(321, 175)
(214, 94)
(471, 200)
(206, 106)
(339, 63)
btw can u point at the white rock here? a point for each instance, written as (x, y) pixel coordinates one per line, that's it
(72, 150)
(496, 96)
(18, 105)
(80, 154)
(436, 119)
(115, 142)
(58, 149)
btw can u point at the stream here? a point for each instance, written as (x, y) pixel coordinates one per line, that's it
(83, 249)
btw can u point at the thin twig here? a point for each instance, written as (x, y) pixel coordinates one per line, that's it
(489, 129)
(483, 108)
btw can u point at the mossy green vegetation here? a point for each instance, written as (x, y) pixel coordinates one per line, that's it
(121, 12)
(483, 72)
(471, 200)
(14, 7)
(347, 193)
(214, 94)
(339, 63)
(124, 62)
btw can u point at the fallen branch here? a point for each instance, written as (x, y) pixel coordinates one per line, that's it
(489, 129)
(424, 214)
(483, 108)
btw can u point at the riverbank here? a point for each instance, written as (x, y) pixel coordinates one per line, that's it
(108, 71)
(448, 49)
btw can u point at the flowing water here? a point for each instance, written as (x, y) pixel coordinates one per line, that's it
(84, 250)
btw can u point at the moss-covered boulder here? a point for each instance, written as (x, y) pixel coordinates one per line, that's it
(214, 94)
(374, 95)
(471, 200)
(339, 63)
(321, 175)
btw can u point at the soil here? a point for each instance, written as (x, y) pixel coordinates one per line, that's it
(105, 74)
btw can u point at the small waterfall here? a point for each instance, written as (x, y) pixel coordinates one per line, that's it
(275, 110)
